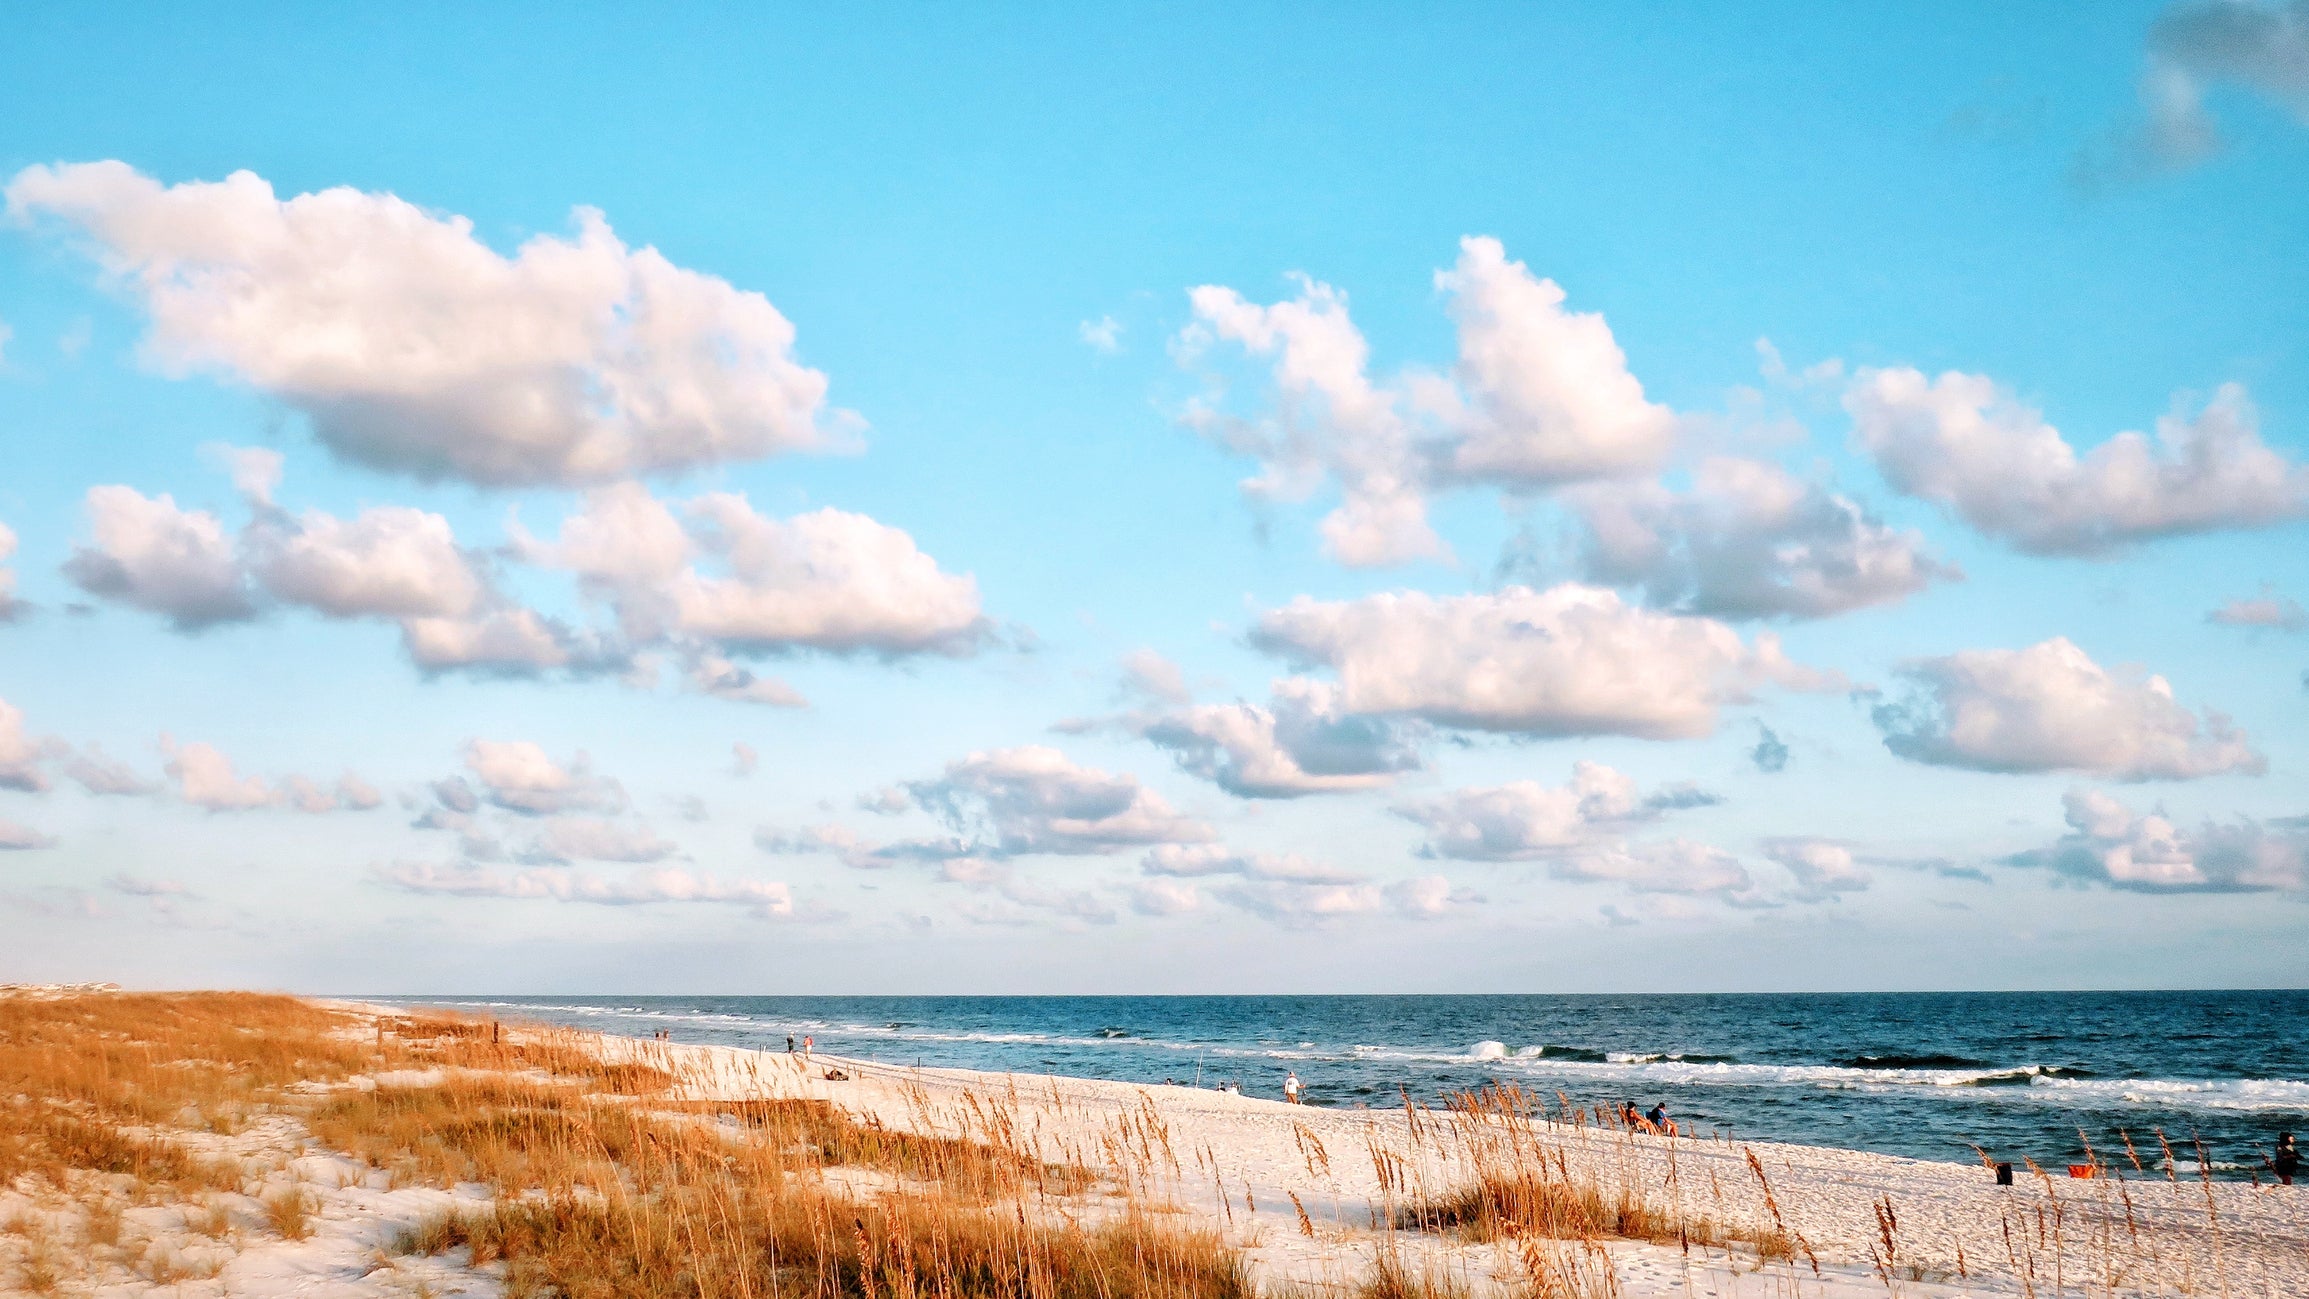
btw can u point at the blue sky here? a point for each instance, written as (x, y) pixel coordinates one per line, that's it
(1051, 701)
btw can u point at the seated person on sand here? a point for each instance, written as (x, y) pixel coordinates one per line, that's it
(1658, 1120)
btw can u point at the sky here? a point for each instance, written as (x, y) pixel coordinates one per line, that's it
(1245, 498)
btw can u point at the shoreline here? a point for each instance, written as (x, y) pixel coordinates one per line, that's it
(1313, 1201)
(1953, 1215)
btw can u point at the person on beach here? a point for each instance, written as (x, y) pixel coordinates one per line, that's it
(1658, 1120)
(2287, 1160)
(1630, 1116)
(789, 1044)
(1291, 1087)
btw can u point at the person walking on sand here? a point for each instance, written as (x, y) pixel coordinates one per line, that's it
(1291, 1087)
(2287, 1160)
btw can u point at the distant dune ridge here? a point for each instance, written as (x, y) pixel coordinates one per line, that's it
(255, 1145)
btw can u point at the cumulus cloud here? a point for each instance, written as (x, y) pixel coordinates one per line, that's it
(1546, 396)
(2269, 610)
(1285, 888)
(388, 562)
(1102, 335)
(642, 888)
(412, 346)
(2194, 47)
(1034, 799)
(722, 678)
(519, 776)
(1331, 420)
(1822, 867)
(1666, 866)
(1300, 742)
(1190, 861)
(1148, 675)
(99, 773)
(1538, 397)
(11, 608)
(721, 572)
(1289, 903)
(21, 752)
(1524, 820)
(2050, 707)
(146, 552)
(206, 778)
(1749, 540)
(1569, 660)
(17, 837)
(1964, 443)
(2108, 843)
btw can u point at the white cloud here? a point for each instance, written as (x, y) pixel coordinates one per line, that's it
(387, 562)
(1966, 444)
(503, 640)
(1570, 660)
(585, 838)
(1191, 861)
(1332, 419)
(1427, 897)
(720, 572)
(1822, 867)
(1749, 540)
(2269, 610)
(2108, 843)
(98, 773)
(205, 777)
(519, 776)
(1524, 820)
(16, 837)
(715, 675)
(1297, 905)
(1666, 866)
(1548, 396)
(1147, 674)
(412, 346)
(148, 553)
(349, 794)
(642, 888)
(1301, 742)
(1539, 397)
(743, 759)
(10, 606)
(2051, 708)
(1102, 335)
(1035, 799)
(21, 752)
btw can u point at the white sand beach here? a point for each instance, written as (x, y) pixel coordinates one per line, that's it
(1312, 1195)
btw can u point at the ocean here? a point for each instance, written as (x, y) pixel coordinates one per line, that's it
(1929, 1075)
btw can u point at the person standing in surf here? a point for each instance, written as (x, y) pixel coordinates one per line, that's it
(2287, 1160)
(1291, 1087)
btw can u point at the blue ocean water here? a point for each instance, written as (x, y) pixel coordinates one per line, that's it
(1929, 1075)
